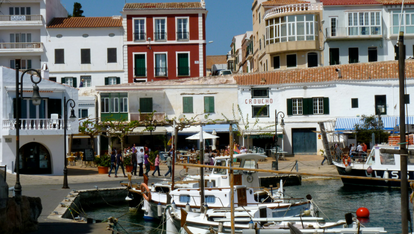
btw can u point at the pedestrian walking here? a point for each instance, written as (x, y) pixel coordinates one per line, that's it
(168, 162)
(147, 163)
(113, 160)
(119, 163)
(157, 165)
(134, 162)
(140, 161)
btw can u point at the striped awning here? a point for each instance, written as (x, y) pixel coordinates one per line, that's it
(390, 123)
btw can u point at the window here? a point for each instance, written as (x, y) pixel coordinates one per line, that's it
(145, 104)
(188, 105)
(139, 30)
(312, 59)
(105, 104)
(354, 102)
(333, 56)
(85, 56)
(160, 64)
(210, 199)
(52, 79)
(380, 104)
(259, 18)
(185, 198)
(364, 23)
(372, 54)
(19, 11)
(111, 55)
(291, 60)
(276, 62)
(260, 111)
(59, 56)
(182, 29)
(140, 65)
(71, 81)
(290, 28)
(334, 24)
(160, 33)
(353, 55)
(407, 24)
(308, 106)
(208, 104)
(86, 81)
(83, 113)
(260, 93)
(124, 104)
(317, 105)
(112, 80)
(114, 102)
(183, 64)
(115, 105)
(23, 63)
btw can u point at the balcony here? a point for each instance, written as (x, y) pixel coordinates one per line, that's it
(160, 36)
(354, 33)
(161, 71)
(21, 20)
(140, 37)
(158, 116)
(21, 47)
(301, 8)
(35, 126)
(183, 36)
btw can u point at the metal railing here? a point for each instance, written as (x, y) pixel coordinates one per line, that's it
(183, 36)
(35, 124)
(21, 18)
(21, 45)
(349, 32)
(161, 71)
(301, 7)
(140, 37)
(160, 36)
(160, 117)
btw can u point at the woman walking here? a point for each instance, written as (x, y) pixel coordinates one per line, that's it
(113, 160)
(147, 163)
(119, 162)
(157, 165)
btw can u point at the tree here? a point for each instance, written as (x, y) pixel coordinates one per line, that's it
(77, 12)
(369, 125)
(91, 128)
(119, 129)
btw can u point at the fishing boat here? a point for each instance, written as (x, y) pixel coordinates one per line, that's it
(377, 164)
(247, 190)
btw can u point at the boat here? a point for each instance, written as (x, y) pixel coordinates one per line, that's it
(247, 191)
(376, 164)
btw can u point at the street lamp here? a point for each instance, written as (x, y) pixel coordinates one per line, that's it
(65, 124)
(282, 123)
(36, 99)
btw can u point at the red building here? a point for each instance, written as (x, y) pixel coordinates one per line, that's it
(165, 40)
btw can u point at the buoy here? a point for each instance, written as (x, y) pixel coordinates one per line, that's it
(369, 170)
(348, 169)
(251, 224)
(362, 212)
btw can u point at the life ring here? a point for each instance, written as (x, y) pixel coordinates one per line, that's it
(146, 193)
(345, 161)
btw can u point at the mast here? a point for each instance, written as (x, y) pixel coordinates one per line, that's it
(231, 150)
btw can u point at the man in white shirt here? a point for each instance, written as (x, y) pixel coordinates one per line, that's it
(140, 161)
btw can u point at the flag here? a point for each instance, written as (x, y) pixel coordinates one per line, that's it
(170, 141)
(236, 150)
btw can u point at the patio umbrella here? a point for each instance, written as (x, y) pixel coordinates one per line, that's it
(213, 147)
(205, 136)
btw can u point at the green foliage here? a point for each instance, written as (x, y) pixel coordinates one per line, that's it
(119, 129)
(103, 160)
(91, 129)
(77, 12)
(152, 155)
(127, 160)
(369, 125)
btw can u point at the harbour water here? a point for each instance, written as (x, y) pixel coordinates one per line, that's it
(333, 199)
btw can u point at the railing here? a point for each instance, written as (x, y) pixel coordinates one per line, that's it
(140, 37)
(20, 17)
(160, 71)
(160, 36)
(35, 124)
(160, 117)
(350, 32)
(21, 45)
(183, 35)
(294, 8)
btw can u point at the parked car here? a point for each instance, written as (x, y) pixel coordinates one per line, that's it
(224, 72)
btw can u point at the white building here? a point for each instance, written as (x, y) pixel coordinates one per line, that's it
(41, 131)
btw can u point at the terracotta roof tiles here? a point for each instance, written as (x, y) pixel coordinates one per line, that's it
(350, 2)
(282, 2)
(86, 22)
(395, 2)
(360, 71)
(166, 5)
(215, 59)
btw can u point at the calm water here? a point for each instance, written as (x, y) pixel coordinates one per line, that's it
(333, 199)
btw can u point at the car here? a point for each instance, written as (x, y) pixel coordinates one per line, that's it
(224, 72)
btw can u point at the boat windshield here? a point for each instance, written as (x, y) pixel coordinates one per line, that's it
(387, 159)
(371, 158)
(218, 170)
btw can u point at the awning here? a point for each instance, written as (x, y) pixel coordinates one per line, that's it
(81, 136)
(390, 123)
(160, 130)
(207, 128)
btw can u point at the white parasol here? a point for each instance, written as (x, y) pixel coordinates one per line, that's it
(205, 136)
(213, 147)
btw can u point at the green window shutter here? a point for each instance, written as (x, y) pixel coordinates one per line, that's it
(208, 104)
(326, 106)
(106, 81)
(75, 83)
(145, 104)
(308, 106)
(188, 104)
(183, 69)
(289, 107)
(118, 80)
(29, 64)
(63, 80)
(140, 65)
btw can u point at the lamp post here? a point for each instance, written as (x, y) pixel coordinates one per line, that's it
(65, 126)
(36, 99)
(282, 123)
(379, 126)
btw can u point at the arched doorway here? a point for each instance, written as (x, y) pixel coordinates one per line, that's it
(34, 159)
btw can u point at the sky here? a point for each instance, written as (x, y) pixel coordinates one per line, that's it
(225, 18)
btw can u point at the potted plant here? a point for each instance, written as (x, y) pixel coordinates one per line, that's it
(127, 163)
(103, 162)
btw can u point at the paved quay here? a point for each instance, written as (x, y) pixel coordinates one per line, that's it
(49, 188)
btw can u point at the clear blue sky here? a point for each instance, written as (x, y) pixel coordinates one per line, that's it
(225, 18)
